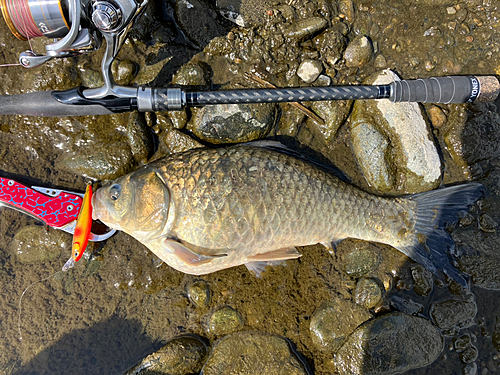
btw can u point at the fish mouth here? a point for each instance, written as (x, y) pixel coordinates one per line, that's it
(99, 211)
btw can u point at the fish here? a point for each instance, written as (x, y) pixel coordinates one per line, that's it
(82, 230)
(205, 210)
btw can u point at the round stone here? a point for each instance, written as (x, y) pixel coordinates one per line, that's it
(390, 344)
(224, 321)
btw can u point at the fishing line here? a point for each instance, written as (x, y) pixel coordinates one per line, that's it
(20, 300)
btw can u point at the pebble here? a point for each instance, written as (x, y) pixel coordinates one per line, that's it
(249, 353)
(462, 343)
(487, 223)
(436, 116)
(124, 71)
(38, 244)
(232, 123)
(358, 52)
(360, 258)
(469, 355)
(470, 369)
(139, 137)
(422, 280)
(305, 28)
(369, 292)
(392, 142)
(199, 294)
(453, 314)
(309, 70)
(180, 356)
(333, 321)
(224, 320)
(393, 343)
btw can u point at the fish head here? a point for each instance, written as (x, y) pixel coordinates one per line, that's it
(137, 204)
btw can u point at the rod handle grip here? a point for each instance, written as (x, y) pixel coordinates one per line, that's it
(451, 89)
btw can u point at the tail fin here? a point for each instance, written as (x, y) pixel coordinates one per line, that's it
(435, 210)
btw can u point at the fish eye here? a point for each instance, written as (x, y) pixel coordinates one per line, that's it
(76, 254)
(114, 192)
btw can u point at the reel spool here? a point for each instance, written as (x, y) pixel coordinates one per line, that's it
(77, 25)
(29, 19)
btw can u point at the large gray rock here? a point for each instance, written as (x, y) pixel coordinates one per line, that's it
(249, 353)
(390, 344)
(232, 123)
(393, 144)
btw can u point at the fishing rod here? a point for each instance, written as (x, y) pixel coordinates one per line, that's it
(82, 24)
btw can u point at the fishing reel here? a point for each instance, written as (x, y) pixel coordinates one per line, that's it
(78, 26)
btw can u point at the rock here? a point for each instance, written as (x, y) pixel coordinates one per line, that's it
(358, 52)
(309, 70)
(481, 262)
(487, 223)
(469, 355)
(232, 123)
(334, 113)
(91, 78)
(369, 292)
(199, 294)
(181, 355)
(470, 369)
(346, 8)
(393, 144)
(333, 321)
(36, 244)
(360, 258)
(148, 73)
(453, 314)
(249, 353)
(139, 137)
(305, 28)
(331, 45)
(224, 320)
(390, 344)
(124, 71)
(198, 21)
(102, 147)
(422, 280)
(462, 343)
(436, 116)
(193, 74)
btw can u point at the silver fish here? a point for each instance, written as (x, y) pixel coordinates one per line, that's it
(205, 210)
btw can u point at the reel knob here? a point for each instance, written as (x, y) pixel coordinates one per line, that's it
(106, 16)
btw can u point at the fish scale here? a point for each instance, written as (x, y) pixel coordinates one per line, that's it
(218, 208)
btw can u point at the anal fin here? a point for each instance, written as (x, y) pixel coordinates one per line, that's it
(280, 254)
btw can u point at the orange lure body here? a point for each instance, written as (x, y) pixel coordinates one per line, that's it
(82, 230)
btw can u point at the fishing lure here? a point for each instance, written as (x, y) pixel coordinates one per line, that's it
(82, 230)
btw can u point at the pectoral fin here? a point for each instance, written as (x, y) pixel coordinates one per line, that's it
(280, 254)
(188, 256)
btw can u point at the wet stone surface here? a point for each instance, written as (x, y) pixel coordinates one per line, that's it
(390, 344)
(249, 353)
(333, 321)
(232, 123)
(199, 294)
(180, 356)
(369, 292)
(452, 315)
(393, 145)
(224, 320)
(38, 244)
